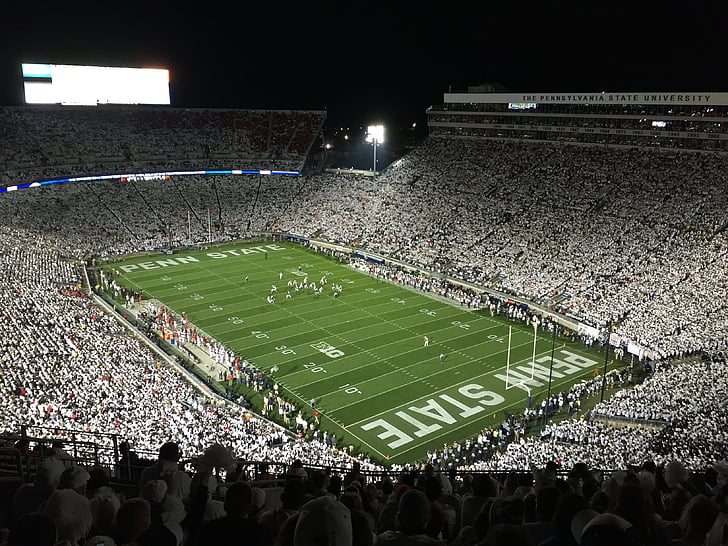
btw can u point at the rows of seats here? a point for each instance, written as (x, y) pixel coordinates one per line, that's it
(77, 138)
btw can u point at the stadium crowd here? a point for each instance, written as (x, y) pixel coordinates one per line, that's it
(623, 237)
(45, 140)
(606, 235)
(644, 504)
(68, 365)
(655, 270)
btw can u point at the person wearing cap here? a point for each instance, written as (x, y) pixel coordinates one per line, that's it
(71, 512)
(103, 513)
(505, 519)
(634, 506)
(568, 505)
(580, 520)
(611, 530)
(163, 528)
(483, 488)
(236, 527)
(698, 519)
(129, 463)
(30, 497)
(61, 454)
(323, 521)
(354, 474)
(132, 519)
(546, 500)
(319, 483)
(281, 521)
(167, 468)
(362, 523)
(258, 502)
(413, 515)
(388, 513)
(74, 478)
(296, 470)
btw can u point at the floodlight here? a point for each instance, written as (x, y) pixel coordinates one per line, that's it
(375, 135)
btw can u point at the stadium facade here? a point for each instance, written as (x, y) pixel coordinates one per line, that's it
(685, 120)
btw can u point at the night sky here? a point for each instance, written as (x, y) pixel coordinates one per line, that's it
(384, 62)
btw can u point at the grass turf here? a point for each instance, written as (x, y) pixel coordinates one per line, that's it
(361, 355)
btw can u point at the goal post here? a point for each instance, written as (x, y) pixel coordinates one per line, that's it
(508, 360)
(519, 378)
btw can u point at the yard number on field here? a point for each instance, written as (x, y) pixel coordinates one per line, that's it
(350, 389)
(328, 350)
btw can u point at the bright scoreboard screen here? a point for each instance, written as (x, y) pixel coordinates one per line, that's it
(92, 85)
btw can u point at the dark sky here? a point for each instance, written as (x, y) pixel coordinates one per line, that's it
(377, 61)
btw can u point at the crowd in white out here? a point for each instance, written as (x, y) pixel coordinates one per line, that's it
(606, 234)
(603, 235)
(46, 141)
(642, 505)
(67, 365)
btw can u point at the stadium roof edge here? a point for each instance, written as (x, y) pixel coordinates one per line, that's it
(166, 107)
(627, 97)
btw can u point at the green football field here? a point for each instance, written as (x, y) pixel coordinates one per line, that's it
(362, 355)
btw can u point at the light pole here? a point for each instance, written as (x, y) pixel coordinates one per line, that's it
(375, 135)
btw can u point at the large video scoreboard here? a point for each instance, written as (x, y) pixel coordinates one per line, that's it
(92, 85)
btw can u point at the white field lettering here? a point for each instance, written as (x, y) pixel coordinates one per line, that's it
(453, 409)
(183, 260)
(567, 363)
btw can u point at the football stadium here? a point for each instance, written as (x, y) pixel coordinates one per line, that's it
(518, 325)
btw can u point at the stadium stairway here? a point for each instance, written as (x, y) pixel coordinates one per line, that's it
(205, 364)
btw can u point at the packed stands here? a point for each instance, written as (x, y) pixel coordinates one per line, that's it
(632, 238)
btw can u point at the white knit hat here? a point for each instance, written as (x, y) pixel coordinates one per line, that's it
(217, 456)
(580, 520)
(74, 477)
(49, 471)
(323, 518)
(72, 513)
(154, 490)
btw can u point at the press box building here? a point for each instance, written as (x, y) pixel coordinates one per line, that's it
(686, 120)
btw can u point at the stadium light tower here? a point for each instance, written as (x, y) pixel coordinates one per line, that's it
(375, 135)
